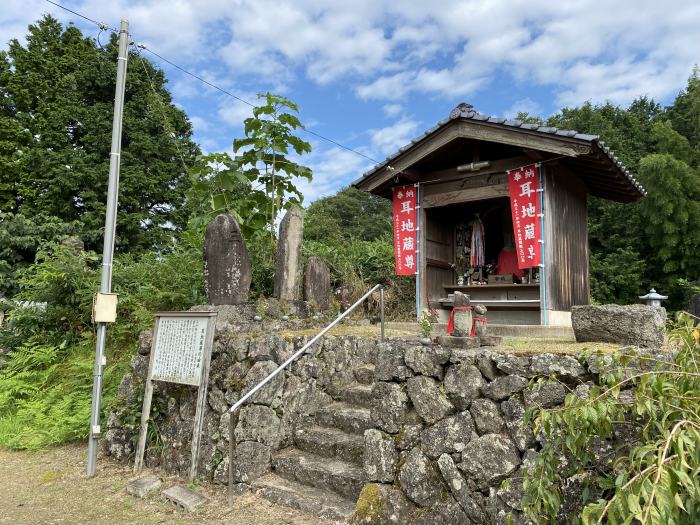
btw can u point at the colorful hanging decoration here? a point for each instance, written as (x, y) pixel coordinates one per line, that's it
(478, 252)
(405, 228)
(525, 201)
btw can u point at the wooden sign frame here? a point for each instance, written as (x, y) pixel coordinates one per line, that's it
(200, 382)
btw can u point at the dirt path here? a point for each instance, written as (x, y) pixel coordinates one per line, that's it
(50, 487)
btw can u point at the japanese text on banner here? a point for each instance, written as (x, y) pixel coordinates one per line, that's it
(524, 185)
(405, 225)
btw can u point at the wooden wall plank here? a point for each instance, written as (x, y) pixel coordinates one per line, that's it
(566, 239)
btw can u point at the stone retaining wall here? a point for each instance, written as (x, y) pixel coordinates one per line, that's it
(447, 440)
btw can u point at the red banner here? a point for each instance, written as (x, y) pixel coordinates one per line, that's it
(405, 224)
(524, 186)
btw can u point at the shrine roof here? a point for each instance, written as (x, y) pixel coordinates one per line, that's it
(587, 156)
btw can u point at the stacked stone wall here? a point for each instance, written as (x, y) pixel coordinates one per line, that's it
(448, 438)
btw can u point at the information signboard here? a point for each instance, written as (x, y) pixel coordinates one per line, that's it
(178, 349)
(180, 353)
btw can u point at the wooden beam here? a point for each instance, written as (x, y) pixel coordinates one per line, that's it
(497, 166)
(476, 130)
(466, 195)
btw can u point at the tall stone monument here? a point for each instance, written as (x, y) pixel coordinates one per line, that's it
(317, 283)
(227, 273)
(288, 269)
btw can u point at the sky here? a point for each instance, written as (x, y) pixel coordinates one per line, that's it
(373, 74)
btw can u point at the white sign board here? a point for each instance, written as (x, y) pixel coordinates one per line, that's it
(179, 349)
(180, 353)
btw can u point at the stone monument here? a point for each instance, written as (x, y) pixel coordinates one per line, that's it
(288, 269)
(317, 283)
(462, 316)
(227, 273)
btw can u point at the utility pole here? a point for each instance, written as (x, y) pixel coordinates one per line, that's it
(108, 249)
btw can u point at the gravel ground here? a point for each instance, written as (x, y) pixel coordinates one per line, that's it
(50, 487)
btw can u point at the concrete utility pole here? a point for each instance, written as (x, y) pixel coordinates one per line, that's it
(108, 249)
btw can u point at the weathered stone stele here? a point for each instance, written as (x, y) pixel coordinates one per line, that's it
(317, 283)
(227, 273)
(287, 278)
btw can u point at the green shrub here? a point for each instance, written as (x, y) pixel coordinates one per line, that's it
(657, 479)
(359, 265)
(46, 384)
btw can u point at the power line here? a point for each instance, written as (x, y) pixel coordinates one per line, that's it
(141, 46)
(101, 25)
(224, 91)
(104, 26)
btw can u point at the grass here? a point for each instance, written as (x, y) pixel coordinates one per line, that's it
(532, 346)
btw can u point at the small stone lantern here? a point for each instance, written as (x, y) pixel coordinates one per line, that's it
(653, 298)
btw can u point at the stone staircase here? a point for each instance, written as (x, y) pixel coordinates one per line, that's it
(322, 473)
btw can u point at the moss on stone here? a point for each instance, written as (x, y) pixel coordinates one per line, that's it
(371, 506)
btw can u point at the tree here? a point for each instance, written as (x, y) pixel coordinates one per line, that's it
(685, 112)
(349, 215)
(56, 104)
(260, 180)
(671, 215)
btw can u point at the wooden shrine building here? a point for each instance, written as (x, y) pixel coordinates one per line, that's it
(460, 170)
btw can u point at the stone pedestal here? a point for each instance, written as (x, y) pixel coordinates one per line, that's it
(227, 272)
(288, 269)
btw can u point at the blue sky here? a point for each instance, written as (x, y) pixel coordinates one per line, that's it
(373, 74)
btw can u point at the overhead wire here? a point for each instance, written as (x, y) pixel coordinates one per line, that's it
(101, 25)
(226, 92)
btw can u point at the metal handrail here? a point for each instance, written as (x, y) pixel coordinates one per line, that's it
(237, 404)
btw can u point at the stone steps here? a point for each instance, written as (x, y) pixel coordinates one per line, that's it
(358, 394)
(330, 443)
(365, 374)
(339, 476)
(345, 416)
(317, 501)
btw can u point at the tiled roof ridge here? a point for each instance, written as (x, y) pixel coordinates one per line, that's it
(467, 111)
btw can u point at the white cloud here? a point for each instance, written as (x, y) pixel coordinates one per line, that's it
(387, 50)
(524, 105)
(333, 168)
(391, 138)
(392, 110)
(233, 112)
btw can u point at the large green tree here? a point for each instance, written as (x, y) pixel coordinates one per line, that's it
(349, 215)
(649, 243)
(56, 103)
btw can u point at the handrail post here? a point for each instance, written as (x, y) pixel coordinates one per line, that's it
(232, 410)
(381, 305)
(233, 416)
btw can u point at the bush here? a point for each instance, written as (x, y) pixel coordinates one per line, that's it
(359, 265)
(46, 384)
(656, 480)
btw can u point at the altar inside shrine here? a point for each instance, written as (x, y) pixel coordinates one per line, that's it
(467, 174)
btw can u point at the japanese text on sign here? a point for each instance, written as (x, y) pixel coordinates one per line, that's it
(524, 185)
(179, 349)
(405, 227)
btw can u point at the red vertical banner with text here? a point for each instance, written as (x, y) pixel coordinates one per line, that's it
(405, 224)
(524, 185)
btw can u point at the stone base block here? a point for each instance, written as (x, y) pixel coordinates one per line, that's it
(141, 487)
(459, 342)
(184, 498)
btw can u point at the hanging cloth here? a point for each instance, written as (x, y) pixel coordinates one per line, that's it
(478, 256)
